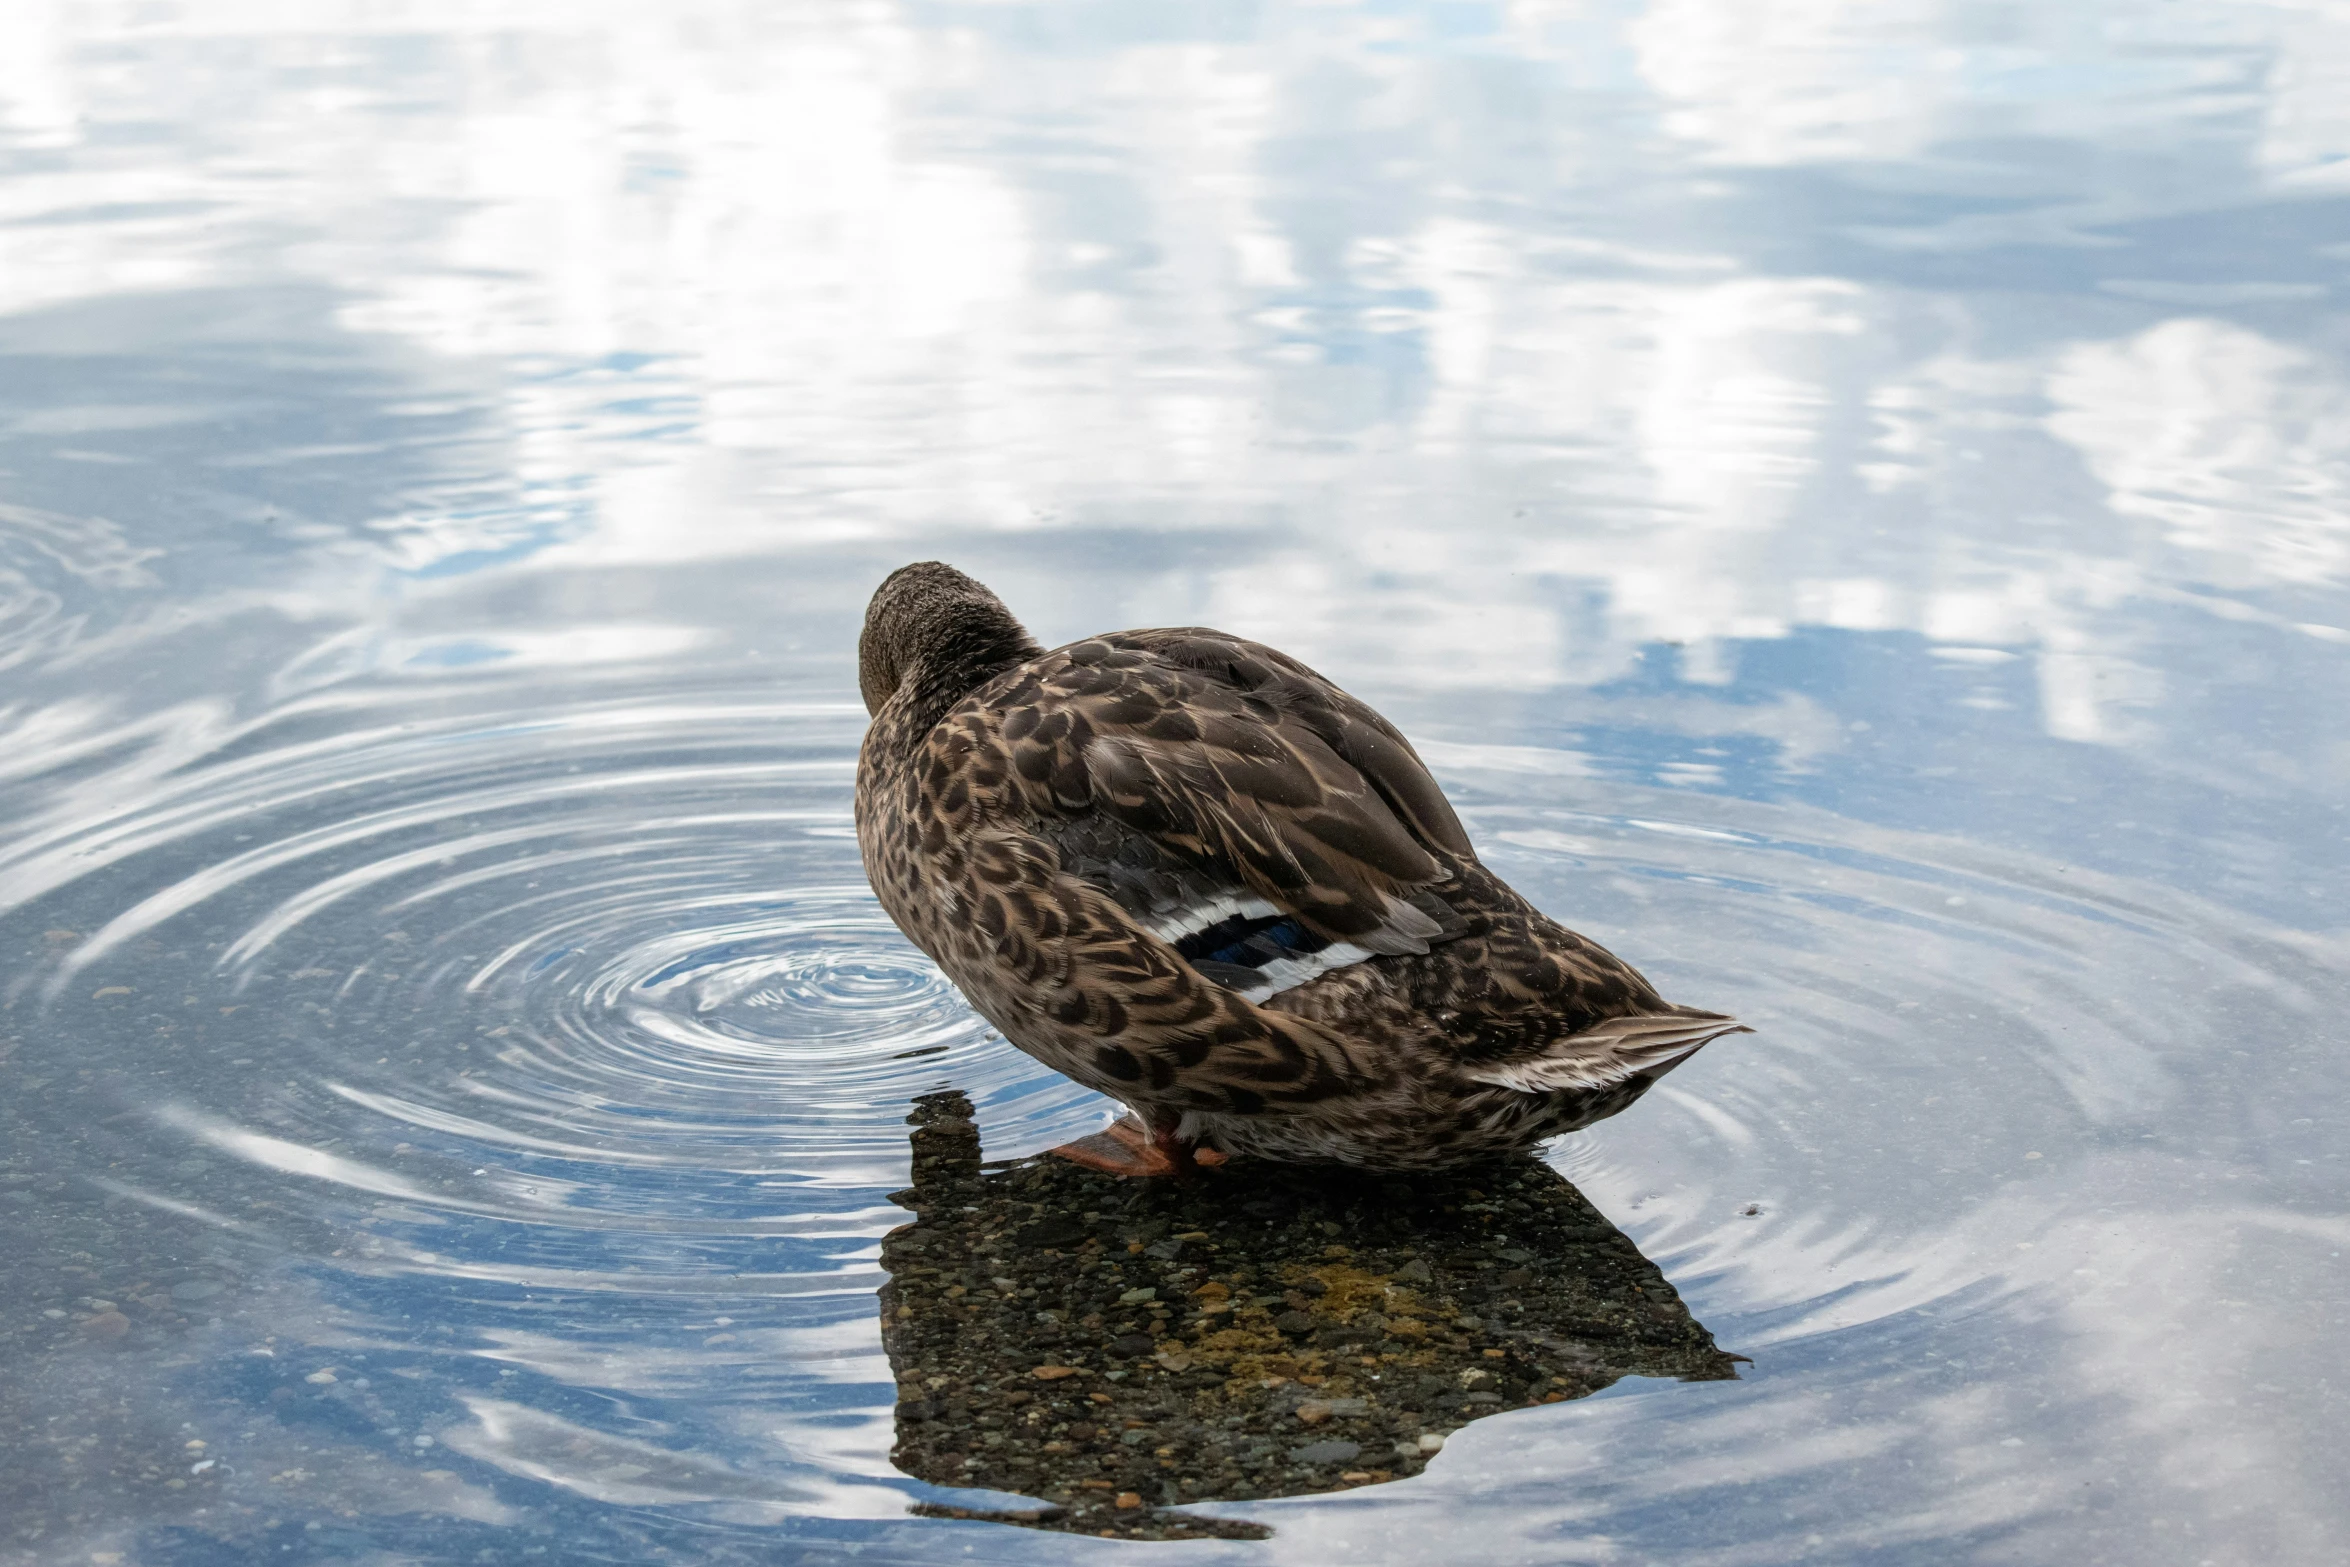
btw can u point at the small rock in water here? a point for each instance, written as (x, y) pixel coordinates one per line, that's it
(1330, 1452)
(106, 1325)
(1316, 1410)
(196, 1289)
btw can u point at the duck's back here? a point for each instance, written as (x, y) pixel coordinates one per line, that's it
(1270, 828)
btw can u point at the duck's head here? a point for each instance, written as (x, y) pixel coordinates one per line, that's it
(933, 628)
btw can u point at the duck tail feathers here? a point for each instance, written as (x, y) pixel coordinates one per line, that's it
(1645, 1045)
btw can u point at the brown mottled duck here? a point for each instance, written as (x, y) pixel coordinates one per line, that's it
(1188, 872)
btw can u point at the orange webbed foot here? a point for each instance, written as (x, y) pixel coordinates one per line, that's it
(1127, 1147)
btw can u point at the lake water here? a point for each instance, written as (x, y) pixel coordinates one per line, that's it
(1852, 500)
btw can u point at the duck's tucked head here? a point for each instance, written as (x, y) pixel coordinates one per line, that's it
(932, 626)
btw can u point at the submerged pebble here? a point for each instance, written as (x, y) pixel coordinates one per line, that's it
(1331, 1452)
(106, 1326)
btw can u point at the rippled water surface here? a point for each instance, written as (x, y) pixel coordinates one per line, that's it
(1854, 501)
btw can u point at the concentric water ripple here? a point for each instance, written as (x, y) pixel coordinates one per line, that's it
(636, 934)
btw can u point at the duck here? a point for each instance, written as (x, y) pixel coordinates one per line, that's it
(1184, 870)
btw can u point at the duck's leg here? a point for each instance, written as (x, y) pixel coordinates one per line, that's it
(1127, 1147)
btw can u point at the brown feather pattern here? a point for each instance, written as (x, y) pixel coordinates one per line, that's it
(1044, 824)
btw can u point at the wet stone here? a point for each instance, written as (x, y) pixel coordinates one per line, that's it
(1063, 1230)
(106, 1326)
(1332, 1452)
(1258, 1332)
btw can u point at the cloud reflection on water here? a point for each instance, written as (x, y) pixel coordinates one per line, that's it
(815, 282)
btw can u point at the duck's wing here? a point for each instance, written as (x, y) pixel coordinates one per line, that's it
(1236, 803)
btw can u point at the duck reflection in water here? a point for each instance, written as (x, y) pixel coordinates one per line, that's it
(1116, 1347)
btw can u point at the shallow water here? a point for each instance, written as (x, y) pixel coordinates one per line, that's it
(1854, 503)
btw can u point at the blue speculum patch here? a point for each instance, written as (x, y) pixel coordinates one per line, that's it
(1246, 941)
